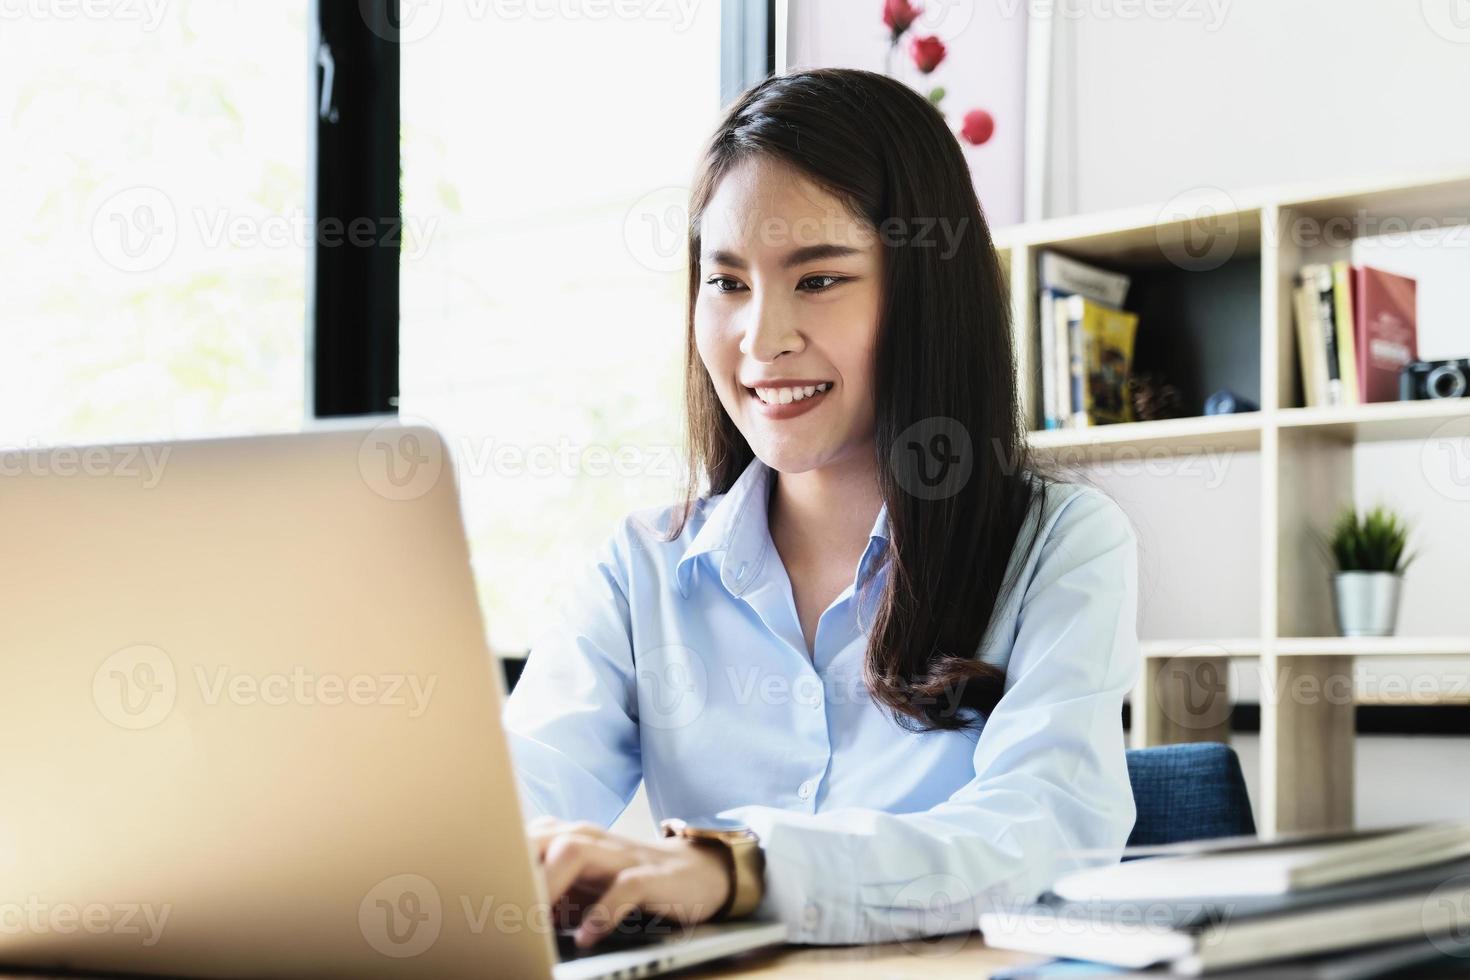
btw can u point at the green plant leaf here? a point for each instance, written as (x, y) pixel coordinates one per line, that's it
(937, 94)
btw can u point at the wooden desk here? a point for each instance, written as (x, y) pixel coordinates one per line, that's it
(937, 959)
(959, 956)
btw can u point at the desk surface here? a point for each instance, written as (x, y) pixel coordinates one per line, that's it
(956, 956)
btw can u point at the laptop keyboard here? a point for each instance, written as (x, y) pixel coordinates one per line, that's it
(635, 932)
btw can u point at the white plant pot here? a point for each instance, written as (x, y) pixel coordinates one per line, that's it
(1367, 602)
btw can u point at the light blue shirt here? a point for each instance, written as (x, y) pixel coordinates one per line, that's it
(682, 663)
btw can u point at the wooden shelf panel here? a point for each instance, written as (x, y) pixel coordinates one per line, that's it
(1373, 646)
(1381, 421)
(1235, 647)
(1177, 436)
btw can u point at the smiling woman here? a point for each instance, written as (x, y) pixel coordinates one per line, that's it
(862, 523)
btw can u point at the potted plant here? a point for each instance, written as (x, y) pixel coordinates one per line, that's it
(1369, 552)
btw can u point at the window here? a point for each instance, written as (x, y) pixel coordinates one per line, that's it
(546, 163)
(156, 231)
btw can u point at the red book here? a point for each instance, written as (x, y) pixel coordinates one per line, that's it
(1385, 331)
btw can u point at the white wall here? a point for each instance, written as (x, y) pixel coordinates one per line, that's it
(1242, 93)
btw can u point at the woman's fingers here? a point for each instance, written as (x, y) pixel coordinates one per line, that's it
(631, 888)
(581, 858)
(543, 830)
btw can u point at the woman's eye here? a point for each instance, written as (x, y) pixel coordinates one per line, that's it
(723, 284)
(822, 283)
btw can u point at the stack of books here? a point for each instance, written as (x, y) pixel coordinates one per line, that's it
(1229, 905)
(1086, 344)
(1355, 331)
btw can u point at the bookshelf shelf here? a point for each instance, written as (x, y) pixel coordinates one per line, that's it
(1245, 648)
(1177, 436)
(1373, 646)
(1378, 422)
(1213, 290)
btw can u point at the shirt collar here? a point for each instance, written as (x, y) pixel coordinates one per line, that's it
(737, 529)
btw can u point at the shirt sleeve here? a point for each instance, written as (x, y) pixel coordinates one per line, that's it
(1050, 781)
(572, 720)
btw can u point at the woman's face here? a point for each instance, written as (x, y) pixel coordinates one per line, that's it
(787, 315)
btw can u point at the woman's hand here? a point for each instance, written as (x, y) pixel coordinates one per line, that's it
(596, 879)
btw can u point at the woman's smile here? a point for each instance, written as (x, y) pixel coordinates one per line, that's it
(787, 398)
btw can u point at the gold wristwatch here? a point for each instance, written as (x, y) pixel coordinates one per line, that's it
(743, 855)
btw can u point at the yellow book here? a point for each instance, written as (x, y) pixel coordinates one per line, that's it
(1342, 315)
(1107, 336)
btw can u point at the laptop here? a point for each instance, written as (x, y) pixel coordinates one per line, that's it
(250, 726)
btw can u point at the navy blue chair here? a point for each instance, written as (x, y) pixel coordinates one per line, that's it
(1188, 792)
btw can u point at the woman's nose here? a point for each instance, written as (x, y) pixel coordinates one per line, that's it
(770, 330)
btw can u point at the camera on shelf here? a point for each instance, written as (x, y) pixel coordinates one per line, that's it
(1435, 379)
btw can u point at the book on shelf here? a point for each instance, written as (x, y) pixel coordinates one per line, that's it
(1385, 320)
(1355, 331)
(1243, 905)
(1082, 346)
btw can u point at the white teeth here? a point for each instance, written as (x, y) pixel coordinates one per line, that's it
(785, 396)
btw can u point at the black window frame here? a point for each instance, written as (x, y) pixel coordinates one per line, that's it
(355, 172)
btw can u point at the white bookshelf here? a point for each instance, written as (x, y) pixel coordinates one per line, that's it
(1306, 468)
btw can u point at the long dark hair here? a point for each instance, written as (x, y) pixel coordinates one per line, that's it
(944, 358)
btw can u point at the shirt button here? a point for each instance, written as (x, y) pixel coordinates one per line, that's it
(810, 916)
(805, 789)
